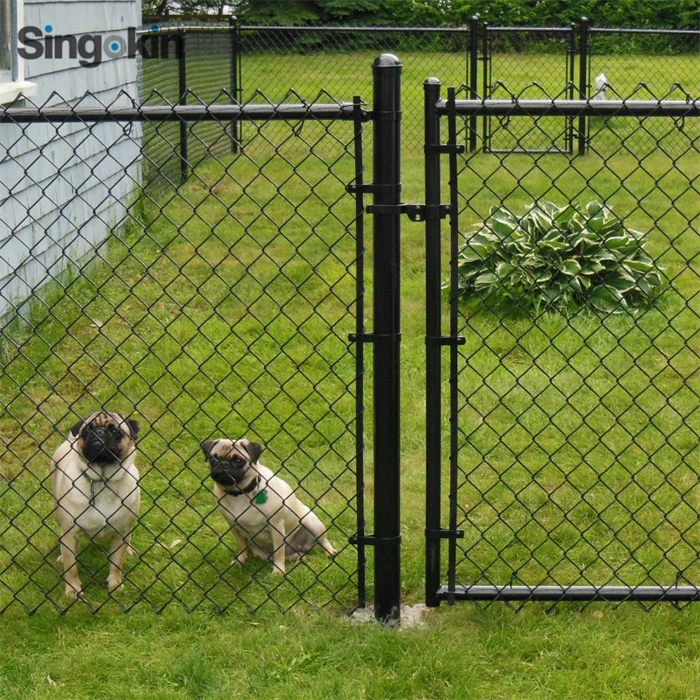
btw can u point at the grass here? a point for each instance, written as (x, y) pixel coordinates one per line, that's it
(224, 309)
(461, 653)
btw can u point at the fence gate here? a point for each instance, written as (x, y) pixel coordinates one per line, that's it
(549, 74)
(571, 456)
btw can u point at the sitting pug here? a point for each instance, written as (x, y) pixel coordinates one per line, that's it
(265, 515)
(96, 486)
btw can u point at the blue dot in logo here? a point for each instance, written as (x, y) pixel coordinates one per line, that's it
(114, 46)
(48, 28)
(154, 28)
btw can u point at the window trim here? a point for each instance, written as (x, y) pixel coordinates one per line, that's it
(11, 89)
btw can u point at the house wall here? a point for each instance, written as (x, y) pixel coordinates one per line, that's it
(64, 187)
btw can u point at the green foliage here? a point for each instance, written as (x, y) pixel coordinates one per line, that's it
(558, 258)
(674, 14)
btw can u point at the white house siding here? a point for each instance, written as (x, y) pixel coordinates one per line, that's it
(64, 188)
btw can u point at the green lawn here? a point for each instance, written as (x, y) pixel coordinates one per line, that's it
(224, 308)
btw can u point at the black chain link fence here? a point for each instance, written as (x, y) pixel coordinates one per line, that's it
(311, 59)
(576, 431)
(220, 308)
(546, 69)
(217, 61)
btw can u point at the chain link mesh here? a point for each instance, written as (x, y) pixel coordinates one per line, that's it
(578, 434)
(220, 308)
(276, 58)
(546, 70)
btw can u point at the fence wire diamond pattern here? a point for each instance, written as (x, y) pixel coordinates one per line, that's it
(216, 308)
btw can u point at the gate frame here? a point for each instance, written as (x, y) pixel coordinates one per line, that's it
(435, 108)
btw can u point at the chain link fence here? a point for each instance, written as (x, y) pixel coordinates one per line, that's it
(220, 308)
(574, 401)
(547, 69)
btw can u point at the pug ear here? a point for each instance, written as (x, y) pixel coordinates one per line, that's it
(75, 430)
(208, 446)
(254, 449)
(134, 428)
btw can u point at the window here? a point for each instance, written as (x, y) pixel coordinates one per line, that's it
(12, 76)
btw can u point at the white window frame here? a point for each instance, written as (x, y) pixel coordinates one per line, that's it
(12, 79)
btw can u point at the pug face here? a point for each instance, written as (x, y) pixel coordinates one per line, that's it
(105, 438)
(231, 462)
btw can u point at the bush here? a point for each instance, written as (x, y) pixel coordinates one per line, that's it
(558, 258)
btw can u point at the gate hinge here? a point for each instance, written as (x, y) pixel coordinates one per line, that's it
(369, 540)
(372, 540)
(444, 534)
(446, 340)
(371, 188)
(444, 148)
(374, 337)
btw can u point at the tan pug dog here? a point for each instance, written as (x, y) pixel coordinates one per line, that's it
(96, 485)
(266, 517)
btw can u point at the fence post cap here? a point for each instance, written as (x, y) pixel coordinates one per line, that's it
(387, 60)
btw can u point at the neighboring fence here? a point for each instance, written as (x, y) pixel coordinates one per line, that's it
(219, 61)
(186, 64)
(220, 309)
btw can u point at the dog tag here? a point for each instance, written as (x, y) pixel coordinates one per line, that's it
(261, 498)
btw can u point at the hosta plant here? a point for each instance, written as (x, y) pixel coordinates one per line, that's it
(558, 257)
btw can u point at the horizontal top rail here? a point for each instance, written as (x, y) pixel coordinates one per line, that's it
(175, 28)
(349, 30)
(489, 28)
(187, 113)
(571, 108)
(612, 30)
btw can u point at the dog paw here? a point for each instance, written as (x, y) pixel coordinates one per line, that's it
(114, 584)
(73, 593)
(276, 571)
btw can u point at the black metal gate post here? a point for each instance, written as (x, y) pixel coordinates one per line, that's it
(570, 91)
(386, 117)
(583, 85)
(433, 399)
(486, 87)
(236, 126)
(182, 88)
(473, 76)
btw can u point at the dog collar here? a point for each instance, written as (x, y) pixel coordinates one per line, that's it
(251, 487)
(96, 481)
